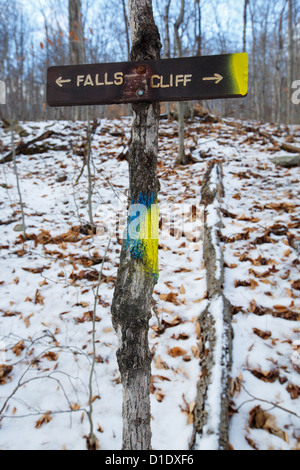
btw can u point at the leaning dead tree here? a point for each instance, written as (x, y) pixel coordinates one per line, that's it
(138, 270)
(215, 337)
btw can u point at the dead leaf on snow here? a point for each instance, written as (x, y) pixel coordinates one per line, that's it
(87, 317)
(176, 352)
(188, 410)
(36, 270)
(173, 322)
(269, 376)
(4, 373)
(260, 419)
(171, 297)
(293, 390)
(160, 364)
(27, 320)
(39, 299)
(18, 348)
(262, 334)
(251, 443)
(75, 407)
(159, 396)
(44, 420)
(182, 289)
(50, 356)
(236, 386)
(296, 284)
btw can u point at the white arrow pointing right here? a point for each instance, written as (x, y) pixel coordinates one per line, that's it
(217, 78)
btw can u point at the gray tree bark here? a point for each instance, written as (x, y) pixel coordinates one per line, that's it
(246, 2)
(125, 16)
(278, 66)
(138, 270)
(76, 49)
(215, 341)
(290, 61)
(167, 45)
(181, 158)
(198, 28)
(76, 43)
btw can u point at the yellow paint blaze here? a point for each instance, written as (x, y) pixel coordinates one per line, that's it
(239, 69)
(149, 226)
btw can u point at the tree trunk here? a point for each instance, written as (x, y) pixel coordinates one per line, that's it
(255, 96)
(181, 158)
(290, 62)
(167, 45)
(138, 270)
(278, 75)
(76, 42)
(198, 28)
(125, 16)
(246, 2)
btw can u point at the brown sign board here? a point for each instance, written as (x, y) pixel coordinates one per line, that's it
(191, 78)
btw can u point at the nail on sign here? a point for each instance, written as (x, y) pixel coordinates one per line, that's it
(192, 78)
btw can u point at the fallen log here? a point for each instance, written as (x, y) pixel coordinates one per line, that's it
(211, 421)
(283, 145)
(18, 129)
(23, 146)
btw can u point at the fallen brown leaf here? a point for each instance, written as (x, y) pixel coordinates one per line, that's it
(39, 299)
(171, 323)
(18, 348)
(159, 396)
(44, 420)
(171, 297)
(50, 356)
(87, 317)
(182, 289)
(293, 390)
(4, 373)
(270, 376)
(176, 352)
(296, 284)
(160, 364)
(262, 334)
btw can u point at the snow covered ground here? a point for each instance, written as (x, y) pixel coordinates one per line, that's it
(47, 288)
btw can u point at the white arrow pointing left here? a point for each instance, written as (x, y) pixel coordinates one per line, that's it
(60, 81)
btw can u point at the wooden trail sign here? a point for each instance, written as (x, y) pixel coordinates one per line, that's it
(185, 79)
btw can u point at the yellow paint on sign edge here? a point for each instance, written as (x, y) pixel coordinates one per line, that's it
(239, 69)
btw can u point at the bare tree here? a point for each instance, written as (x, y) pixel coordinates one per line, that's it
(290, 60)
(198, 27)
(167, 45)
(76, 49)
(278, 78)
(246, 3)
(181, 158)
(138, 270)
(76, 41)
(126, 28)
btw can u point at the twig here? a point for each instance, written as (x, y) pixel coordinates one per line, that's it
(92, 437)
(18, 182)
(88, 161)
(275, 405)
